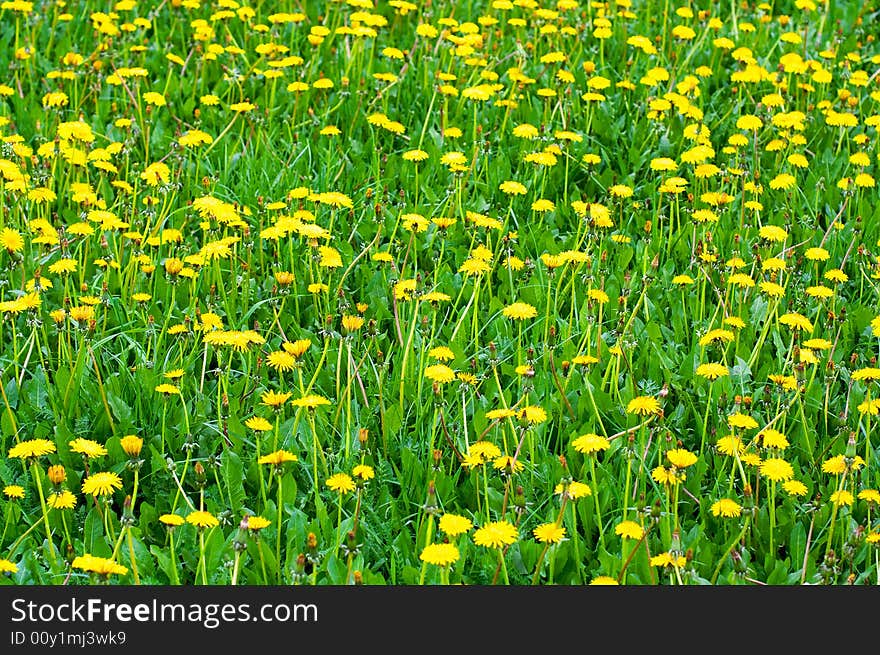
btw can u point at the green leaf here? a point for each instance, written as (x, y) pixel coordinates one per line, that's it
(798, 543)
(121, 411)
(163, 559)
(93, 535)
(233, 477)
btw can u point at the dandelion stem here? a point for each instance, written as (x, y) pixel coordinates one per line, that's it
(279, 530)
(175, 577)
(234, 580)
(596, 500)
(729, 548)
(21, 538)
(36, 474)
(201, 564)
(134, 567)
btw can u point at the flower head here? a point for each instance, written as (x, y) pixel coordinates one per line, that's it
(202, 519)
(101, 484)
(439, 373)
(496, 534)
(274, 399)
(776, 469)
(742, 421)
(549, 533)
(99, 565)
(277, 458)
(32, 448)
(310, 401)
(13, 491)
(440, 554)
(668, 559)
(573, 489)
(726, 508)
(842, 497)
(363, 472)
(171, 520)
(795, 487)
(520, 311)
(8, 567)
(256, 523)
(87, 448)
(604, 580)
(629, 530)
(131, 445)
(281, 360)
(868, 374)
(454, 525)
(61, 500)
(643, 405)
(341, 482)
(681, 458)
(590, 443)
(258, 424)
(712, 371)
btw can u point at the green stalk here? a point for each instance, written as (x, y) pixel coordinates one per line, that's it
(36, 475)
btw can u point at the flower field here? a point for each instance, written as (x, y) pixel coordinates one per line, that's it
(509, 292)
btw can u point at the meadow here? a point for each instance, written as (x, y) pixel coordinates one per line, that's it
(399, 293)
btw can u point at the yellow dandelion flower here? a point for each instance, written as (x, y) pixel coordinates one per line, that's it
(643, 405)
(202, 519)
(549, 533)
(440, 554)
(101, 484)
(341, 482)
(496, 534)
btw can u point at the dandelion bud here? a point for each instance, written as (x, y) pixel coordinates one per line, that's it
(358, 578)
(363, 435)
(239, 542)
(738, 565)
(311, 541)
(56, 474)
(431, 502)
(519, 499)
(655, 510)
